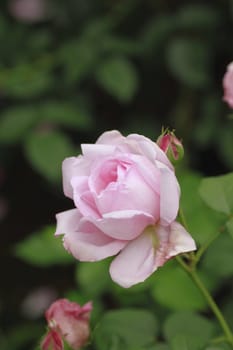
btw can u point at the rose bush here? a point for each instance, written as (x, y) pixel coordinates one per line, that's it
(127, 198)
(67, 321)
(228, 85)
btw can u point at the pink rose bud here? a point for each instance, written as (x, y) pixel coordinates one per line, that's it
(228, 85)
(126, 197)
(68, 321)
(173, 147)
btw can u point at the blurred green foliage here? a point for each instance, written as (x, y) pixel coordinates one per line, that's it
(88, 66)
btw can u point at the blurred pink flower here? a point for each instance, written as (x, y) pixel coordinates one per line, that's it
(228, 85)
(68, 321)
(170, 144)
(37, 301)
(28, 10)
(127, 198)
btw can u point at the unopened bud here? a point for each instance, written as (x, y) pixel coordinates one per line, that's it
(173, 147)
(68, 322)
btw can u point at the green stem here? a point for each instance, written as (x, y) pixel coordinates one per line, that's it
(219, 340)
(214, 307)
(204, 247)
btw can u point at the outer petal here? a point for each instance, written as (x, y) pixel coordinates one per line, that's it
(169, 196)
(73, 166)
(124, 224)
(112, 137)
(148, 148)
(67, 221)
(173, 240)
(142, 256)
(93, 151)
(180, 240)
(90, 244)
(135, 263)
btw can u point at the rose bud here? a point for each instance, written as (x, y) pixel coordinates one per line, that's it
(173, 147)
(228, 85)
(68, 321)
(126, 197)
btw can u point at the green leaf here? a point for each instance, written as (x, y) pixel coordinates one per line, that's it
(65, 113)
(188, 324)
(125, 329)
(206, 222)
(93, 278)
(184, 342)
(26, 81)
(43, 249)
(217, 192)
(229, 226)
(197, 16)
(184, 295)
(121, 45)
(46, 151)
(218, 259)
(160, 346)
(16, 122)
(188, 61)
(78, 59)
(118, 76)
(156, 32)
(222, 346)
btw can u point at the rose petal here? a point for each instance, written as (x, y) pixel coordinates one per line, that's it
(125, 224)
(67, 221)
(135, 263)
(169, 196)
(112, 137)
(53, 340)
(180, 241)
(228, 85)
(90, 244)
(73, 166)
(97, 150)
(126, 190)
(144, 255)
(150, 149)
(83, 198)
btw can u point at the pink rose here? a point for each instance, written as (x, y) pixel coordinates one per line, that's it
(228, 85)
(127, 198)
(68, 321)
